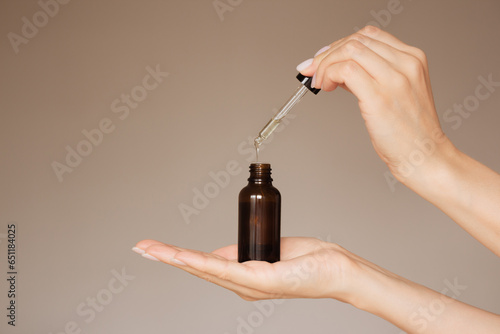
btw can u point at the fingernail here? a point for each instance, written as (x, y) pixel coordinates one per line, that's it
(323, 49)
(305, 64)
(179, 262)
(150, 257)
(313, 80)
(138, 250)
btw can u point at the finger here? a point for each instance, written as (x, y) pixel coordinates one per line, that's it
(402, 61)
(143, 244)
(318, 57)
(403, 67)
(416, 53)
(264, 277)
(407, 60)
(311, 69)
(356, 50)
(384, 37)
(354, 77)
(140, 247)
(254, 274)
(380, 36)
(169, 255)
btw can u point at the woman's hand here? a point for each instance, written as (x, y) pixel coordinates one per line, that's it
(391, 81)
(309, 268)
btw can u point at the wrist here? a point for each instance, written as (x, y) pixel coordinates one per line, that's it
(429, 165)
(388, 296)
(370, 285)
(363, 283)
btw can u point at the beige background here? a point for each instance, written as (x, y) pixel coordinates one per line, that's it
(225, 78)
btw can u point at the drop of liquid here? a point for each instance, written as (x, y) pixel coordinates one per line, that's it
(257, 147)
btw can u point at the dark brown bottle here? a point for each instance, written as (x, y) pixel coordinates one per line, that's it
(259, 217)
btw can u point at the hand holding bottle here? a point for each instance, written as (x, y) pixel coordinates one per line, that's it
(309, 268)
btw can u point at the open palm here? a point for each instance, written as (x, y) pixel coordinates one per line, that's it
(308, 268)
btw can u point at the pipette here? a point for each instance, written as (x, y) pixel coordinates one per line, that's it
(305, 85)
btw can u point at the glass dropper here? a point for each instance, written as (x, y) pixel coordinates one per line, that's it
(268, 129)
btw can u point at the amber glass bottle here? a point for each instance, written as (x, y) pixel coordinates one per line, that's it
(259, 217)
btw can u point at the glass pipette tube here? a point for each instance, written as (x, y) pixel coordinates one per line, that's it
(282, 112)
(269, 128)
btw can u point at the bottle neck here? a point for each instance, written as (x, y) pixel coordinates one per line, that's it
(260, 173)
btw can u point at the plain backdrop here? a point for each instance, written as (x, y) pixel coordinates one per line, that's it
(228, 70)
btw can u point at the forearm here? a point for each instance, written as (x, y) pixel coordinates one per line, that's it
(417, 309)
(466, 190)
